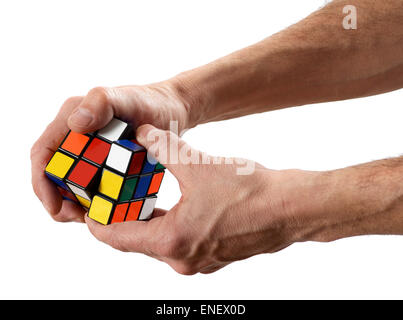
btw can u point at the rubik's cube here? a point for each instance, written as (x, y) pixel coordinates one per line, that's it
(108, 173)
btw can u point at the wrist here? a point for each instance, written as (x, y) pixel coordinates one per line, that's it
(318, 205)
(195, 99)
(300, 199)
(360, 200)
(323, 206)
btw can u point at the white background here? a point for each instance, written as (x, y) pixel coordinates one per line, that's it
(50, 50)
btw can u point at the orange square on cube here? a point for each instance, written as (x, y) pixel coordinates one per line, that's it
(134, 210)
(75, 143)
(120, 213)
(155, 183)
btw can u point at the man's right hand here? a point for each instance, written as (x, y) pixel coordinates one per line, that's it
(156, 104)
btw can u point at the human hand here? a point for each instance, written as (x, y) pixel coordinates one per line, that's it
(221, 217)
(156, 104)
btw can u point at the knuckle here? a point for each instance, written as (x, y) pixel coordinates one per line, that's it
(68, 106)
(174, 246)
(35, 150)
(185, 269)
(72, 100)
(60, 218)
(100, 94)
(99, 102)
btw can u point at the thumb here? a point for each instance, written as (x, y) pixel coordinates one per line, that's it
(170, 150)
(134, 236)
(95, 111)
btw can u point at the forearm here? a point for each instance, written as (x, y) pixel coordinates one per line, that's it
(314, 61)
(359, 200)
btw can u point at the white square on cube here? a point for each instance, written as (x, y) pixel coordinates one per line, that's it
(118, 158)
(113, 130)
(148, 208)
(79, 192)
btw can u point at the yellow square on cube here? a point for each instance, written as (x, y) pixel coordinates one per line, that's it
(84, 202)
(110, 185)
(59, 165)
(100, 210)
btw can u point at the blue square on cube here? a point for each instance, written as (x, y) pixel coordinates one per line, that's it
(149, 165)
(142, 186)
(60, 183)
(130, 145)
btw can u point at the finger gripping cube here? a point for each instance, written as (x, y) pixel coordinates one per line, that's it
(108, 173)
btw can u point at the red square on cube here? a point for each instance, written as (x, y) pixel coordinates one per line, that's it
(97, 151)
(83, 173)
(137, 163)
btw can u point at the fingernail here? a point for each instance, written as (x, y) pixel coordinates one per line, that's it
(81, 117)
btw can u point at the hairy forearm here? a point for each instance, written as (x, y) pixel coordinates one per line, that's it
(314, 61)
(359, 200)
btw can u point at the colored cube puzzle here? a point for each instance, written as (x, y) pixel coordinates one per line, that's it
(108, 173)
